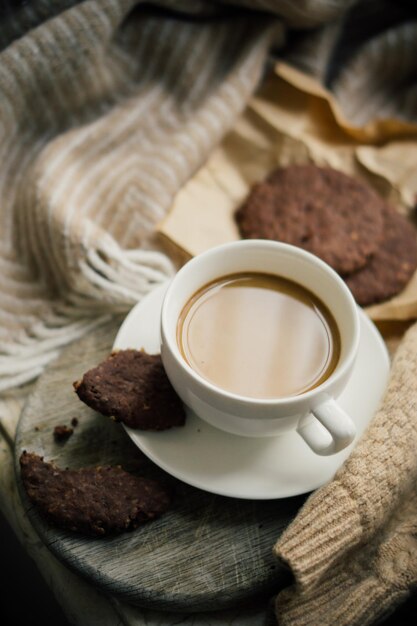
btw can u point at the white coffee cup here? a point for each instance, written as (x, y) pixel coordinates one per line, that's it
(315, 414)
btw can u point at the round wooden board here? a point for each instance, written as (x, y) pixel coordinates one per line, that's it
(207, 553)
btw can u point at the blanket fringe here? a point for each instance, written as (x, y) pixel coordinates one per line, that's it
(109, 281)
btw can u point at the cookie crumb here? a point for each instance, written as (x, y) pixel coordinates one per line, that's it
(62, 433)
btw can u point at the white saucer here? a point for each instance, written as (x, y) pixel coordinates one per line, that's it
(246, 467)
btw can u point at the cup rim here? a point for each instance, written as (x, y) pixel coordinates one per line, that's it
(338, 372)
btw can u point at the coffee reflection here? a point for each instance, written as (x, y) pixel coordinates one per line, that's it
(259, 335)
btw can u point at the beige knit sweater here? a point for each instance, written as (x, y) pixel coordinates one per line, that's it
(107, 107)
(353, 546)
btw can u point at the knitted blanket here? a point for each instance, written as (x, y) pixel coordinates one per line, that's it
(107, 108)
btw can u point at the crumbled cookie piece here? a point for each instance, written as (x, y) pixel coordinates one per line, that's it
(132, 387)
(334, 216)
(95, 501)
(62, 433)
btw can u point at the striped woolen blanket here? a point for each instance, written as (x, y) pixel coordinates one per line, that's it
(105, 111)
(107, 107)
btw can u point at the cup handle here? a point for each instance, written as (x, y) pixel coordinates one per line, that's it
(327, 429)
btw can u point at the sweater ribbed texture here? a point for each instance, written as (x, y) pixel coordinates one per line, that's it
(353, 546)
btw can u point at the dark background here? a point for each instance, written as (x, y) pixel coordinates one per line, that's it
(26, 599)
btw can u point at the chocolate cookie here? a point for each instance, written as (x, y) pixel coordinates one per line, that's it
(326, 212)
(391, 266)
(132, 387)
(94, 501)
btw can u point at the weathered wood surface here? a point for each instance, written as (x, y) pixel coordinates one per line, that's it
(207, 553)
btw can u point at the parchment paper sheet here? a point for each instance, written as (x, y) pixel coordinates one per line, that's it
(293, 119)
